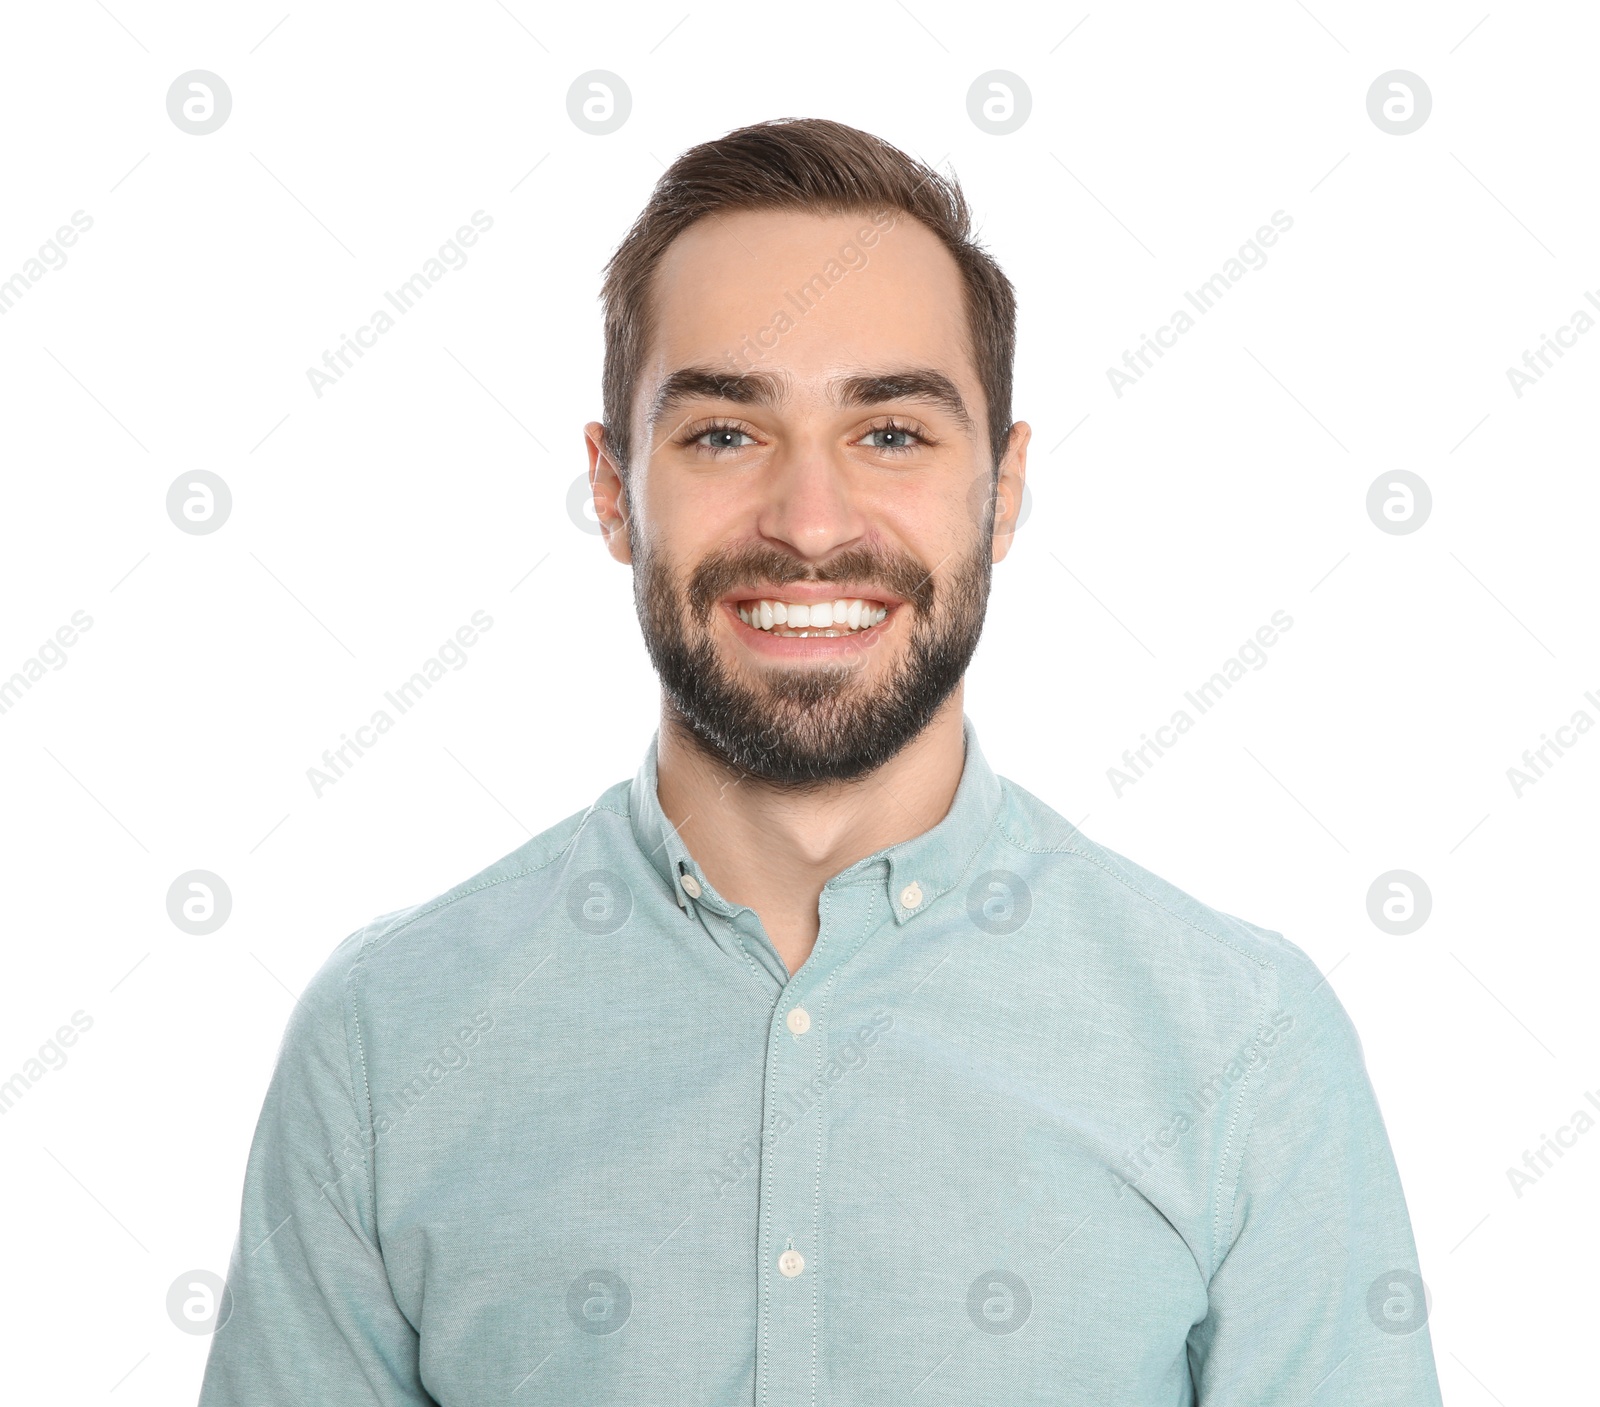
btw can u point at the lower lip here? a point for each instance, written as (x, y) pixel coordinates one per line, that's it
(794, 647)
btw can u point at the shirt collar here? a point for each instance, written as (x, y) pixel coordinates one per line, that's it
(915, 872)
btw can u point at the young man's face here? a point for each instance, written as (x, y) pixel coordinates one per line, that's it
(807, 442)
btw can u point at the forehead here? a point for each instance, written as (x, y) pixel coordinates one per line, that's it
(806, 295)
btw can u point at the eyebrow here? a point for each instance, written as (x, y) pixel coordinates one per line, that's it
(698, 382)
(767, 389)
(913, 384)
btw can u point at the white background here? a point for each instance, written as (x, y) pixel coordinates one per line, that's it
(1166, 526)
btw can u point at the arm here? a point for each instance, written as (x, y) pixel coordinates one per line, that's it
(312, 1319)
(1316, 1290)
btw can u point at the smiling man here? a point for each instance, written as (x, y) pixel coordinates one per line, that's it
(817, 1064)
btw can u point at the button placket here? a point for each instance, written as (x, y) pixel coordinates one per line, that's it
(789, 1148)
(790, 1235)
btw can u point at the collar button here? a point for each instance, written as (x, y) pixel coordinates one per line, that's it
(911, 896)
(691, 886)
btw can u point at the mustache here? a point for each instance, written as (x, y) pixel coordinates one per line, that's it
(720, 573)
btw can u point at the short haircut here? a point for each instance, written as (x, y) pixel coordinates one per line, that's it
(816, 166)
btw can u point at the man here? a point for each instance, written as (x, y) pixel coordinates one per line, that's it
(817, 1064)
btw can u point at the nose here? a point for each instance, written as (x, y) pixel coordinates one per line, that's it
(810, 504)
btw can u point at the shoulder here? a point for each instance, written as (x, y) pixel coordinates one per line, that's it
(1209, 981)
(1146, 926)
(474, 922)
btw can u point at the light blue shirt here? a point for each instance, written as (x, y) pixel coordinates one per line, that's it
(1028, 1126)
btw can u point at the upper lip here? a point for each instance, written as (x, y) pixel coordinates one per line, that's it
(805, 593)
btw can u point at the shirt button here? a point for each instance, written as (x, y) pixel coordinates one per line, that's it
(691, 886)
(791, 1263)
(911, 896)
(798, 1020)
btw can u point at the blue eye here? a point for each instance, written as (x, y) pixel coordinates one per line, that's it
(722, 437)
(898, 439)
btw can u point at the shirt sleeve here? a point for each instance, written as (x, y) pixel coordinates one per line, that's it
(310, 1317)
(1318, 1288)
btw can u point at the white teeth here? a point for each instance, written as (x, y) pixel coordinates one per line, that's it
(801, 618)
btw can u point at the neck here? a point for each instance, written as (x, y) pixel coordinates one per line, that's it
(773, 849)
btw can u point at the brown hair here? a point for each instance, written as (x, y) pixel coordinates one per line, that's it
(814, 165)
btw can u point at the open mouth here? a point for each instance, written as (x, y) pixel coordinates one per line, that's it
(824, 620)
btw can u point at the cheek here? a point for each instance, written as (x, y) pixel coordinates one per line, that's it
(695, 517)
(937, 518)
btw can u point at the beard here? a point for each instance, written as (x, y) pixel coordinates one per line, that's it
(802, 728)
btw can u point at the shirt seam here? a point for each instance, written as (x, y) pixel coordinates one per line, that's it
(368, 1139)
(1238, 1177)
(456, 895)
(995, 822)
(830, 991)
(769, 1122)
(1261, 962)
(351, 996)
(1239, 1110)
(757, 976)
(818, 1066)
(1269, 970)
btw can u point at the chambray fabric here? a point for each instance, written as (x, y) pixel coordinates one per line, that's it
(1055, 1133)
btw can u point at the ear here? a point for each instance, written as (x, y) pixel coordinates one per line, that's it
(610, 493)
(1008, 491)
